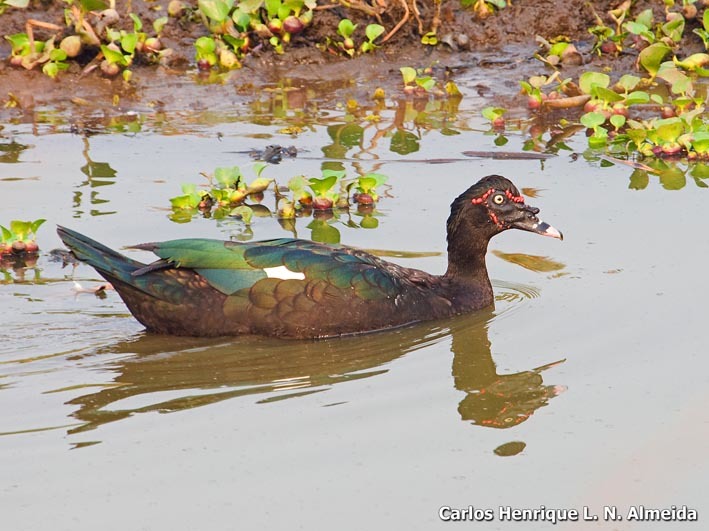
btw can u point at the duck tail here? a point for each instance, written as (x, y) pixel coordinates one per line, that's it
(109, 263)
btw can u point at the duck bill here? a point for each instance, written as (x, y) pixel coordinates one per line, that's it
(538, 227)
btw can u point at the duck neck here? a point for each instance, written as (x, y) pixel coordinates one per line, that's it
(467, 271)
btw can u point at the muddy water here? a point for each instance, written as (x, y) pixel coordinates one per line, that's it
(584, 386)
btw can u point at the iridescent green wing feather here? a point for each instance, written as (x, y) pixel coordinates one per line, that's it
(231, 266)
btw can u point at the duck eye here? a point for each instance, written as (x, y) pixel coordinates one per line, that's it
(498, 199)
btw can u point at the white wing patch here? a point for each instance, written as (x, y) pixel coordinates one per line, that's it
(283, 273)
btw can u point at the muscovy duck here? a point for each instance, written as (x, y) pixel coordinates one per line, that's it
(302, 289)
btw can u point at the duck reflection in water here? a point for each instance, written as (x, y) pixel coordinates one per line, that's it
(155, 377)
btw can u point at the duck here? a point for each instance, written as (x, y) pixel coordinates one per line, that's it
(300, 289)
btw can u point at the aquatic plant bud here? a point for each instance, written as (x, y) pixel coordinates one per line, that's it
(293, 25)
(609, 47)
(152, 44)
(275, 26)
(19, 247)
(109, 16)
(689, 11)
(176, 8)
(31, 246)
(306, 18)
(228, 59)
(363, 199)
(110, 69)
(322, 203)
(71, 45)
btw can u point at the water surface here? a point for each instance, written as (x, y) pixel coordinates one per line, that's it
(585, 385)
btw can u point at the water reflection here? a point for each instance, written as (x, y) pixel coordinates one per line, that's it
(150, 375)
(98, 174)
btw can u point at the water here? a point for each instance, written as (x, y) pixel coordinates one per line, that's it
(583, 387)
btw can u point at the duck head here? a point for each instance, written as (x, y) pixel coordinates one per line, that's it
(491, 206)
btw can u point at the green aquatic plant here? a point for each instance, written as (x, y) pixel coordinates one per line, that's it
(703, 32)
(20, 237)
(327, 198)
(495, 115)
(346, 44)
(233, 26)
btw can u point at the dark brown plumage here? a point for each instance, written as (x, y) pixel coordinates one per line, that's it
(302, 289)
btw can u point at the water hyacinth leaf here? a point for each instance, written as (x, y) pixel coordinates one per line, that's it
(591, 120)
(272, 7)
(638, 136)
(243, 212)
(639, 180)
(628, 82)
(19, 42)
(452, 90)
(129, 41)
(380, 178)
(249, 6)
(259, 167)
(366, 184)
(637, 97)
(50, 69)
(113, 56)
(137, 23)
(258, 185)
(680, 82)
(205, 45)
(669, 129)
(217, 10)
(700, 171)
(589, 80)
(636, 28)
(673, 178)
(345, 28)
(36, 224)
(674, 29)
(369, 222)
(493, 113)
(324, 185)
(241, 17)
(349, 135)
(645, 18)
(617, 120)
(337, 173)
(605, 94)
(159, 24)
(538, 81)
(228, 177)
(426, 82)
(323, 232)
(20, 229)
(184, 201)
(404, 142)
(651, 57)
(599, 138)
(374, 31)
(700, 142)
(694, 61)
(501, 140)
(408, 73)
(6, 234)
(93, 5)
(298, 183)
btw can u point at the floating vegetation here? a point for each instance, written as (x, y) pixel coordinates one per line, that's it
(325, 199)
